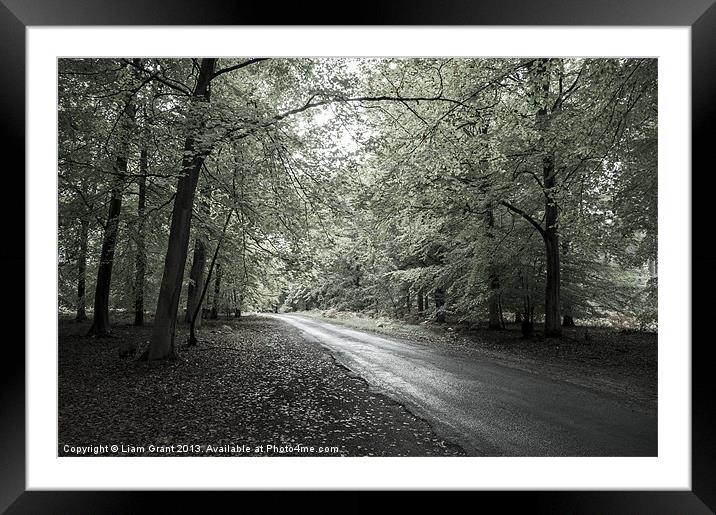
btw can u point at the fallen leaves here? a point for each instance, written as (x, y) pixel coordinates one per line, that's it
(254, 382)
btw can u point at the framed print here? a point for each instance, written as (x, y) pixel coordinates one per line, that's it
(419, 251)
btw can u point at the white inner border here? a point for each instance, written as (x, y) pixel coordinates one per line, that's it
(672, 467)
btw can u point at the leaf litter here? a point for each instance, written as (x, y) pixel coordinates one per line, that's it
(249, 383)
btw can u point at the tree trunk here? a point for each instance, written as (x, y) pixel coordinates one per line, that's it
(82, 271)
(494, 321)
(527, 328)
(198, 263)
(527, 318)
(439, 295)
(217, 293)
(407, 301)
(196, 281)
(493, 280)
(527, 325)
(652, 265)
(100, 323)
(237, 305)
(552, 319)
(141, 258)
(568, 317)
(421, 307)
(128, 347)
(162, 342)
(192, 326)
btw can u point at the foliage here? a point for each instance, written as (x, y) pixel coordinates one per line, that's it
(359, 184)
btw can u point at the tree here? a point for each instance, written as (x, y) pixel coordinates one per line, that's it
(195, 151)
(126, 122)
(192, 324)
(217, 292)
(358, 184)
(141, 259)
(82, 270)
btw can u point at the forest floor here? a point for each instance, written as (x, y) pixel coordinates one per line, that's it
(619, 362)
(249, 384)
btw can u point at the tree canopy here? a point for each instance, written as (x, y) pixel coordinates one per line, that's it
(452, 189)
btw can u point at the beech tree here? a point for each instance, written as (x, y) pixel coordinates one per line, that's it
(483, 191)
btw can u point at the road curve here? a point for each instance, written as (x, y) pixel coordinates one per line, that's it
(486, 408)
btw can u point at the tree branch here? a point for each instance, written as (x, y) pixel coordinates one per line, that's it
(238, 66)
(525, 216)
(181, 88)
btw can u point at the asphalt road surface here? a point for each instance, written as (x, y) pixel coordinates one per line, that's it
(486, 408)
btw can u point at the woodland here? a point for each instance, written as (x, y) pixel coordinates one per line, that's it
(487, 192)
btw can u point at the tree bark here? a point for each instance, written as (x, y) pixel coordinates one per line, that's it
(128, 347)
(568, 316)
(82, 271)
(552, 320)
(198, 263)
(217, 292)
(100, 323)
(196, 281)
(141, 258)
(493, 280)
(192, 326)
(527, 321)
(439, 296)
(421, 306)
(162, 342)
(239, 306)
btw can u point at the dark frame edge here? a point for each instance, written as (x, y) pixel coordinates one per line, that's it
(12, 255)
(703, 110)
(702, 497)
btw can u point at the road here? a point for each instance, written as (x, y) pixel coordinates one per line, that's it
(486, 408)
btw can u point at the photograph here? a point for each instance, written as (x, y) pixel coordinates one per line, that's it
(357, 256)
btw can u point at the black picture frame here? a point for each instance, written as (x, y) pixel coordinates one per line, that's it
(699, 15)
